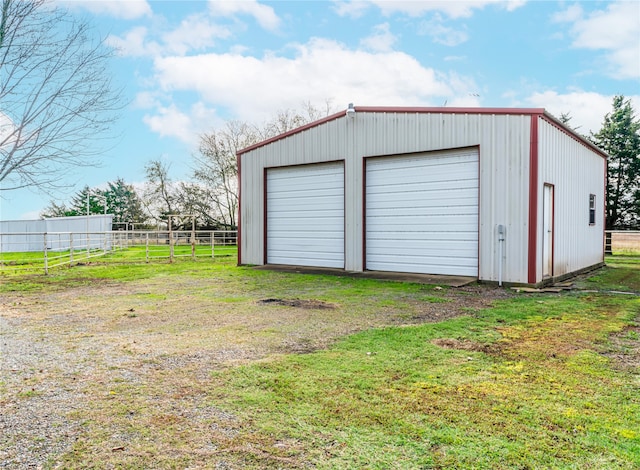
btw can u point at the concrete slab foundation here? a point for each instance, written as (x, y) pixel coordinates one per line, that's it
(451, 281)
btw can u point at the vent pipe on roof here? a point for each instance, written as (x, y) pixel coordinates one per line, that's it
(351, 111)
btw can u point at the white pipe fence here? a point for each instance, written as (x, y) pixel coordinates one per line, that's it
(29, 251)
(622, 242)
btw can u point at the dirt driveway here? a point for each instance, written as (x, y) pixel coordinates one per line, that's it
(68, 357)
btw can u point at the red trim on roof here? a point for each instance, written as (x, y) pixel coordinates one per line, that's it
(571, 133)
(445, 110)
(423, 110)
(533, 201)
(292, 131)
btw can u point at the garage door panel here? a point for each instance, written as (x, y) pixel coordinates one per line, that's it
(302, 204)
(309, 191)
(435, 161)
(386, 237)
(445, 269)
(422, 186)
(428, 260)
(427, 247)
(315, 259)
(463, 196)
(419, 225)
(305, 215)
(427, 215)
(438, 176)
(422, 213)
(295, 246)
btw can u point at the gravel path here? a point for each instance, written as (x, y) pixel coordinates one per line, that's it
(61, 351)
(34, 409)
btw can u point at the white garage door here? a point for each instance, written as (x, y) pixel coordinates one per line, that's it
(305, 215)
(422, 213)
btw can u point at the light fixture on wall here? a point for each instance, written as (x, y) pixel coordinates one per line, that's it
(351, 111)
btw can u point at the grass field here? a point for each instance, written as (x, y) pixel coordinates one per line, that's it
(18, 263)
(208, 365)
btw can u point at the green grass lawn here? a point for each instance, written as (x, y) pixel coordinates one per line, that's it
(534, 381)
(526, 384)
(18, 263)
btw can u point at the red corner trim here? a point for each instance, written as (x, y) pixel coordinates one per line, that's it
(239, 221)
(533, 200)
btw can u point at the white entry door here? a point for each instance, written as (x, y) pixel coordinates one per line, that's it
(305, 215)
(547, 231)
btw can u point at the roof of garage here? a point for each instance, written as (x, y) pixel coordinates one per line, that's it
(443, 110)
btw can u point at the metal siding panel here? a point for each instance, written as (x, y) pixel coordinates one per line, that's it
(411, 233)
(305, 215)
(576, 172)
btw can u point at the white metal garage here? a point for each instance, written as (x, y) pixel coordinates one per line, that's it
(305, 215)
(422, 213)
(497, 194)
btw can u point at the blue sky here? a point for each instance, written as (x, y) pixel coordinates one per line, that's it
(188, 67)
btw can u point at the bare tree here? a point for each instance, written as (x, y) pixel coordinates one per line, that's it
(288, 119)
(214, 195)
(216, 169)
(159, 198)
(56, 97)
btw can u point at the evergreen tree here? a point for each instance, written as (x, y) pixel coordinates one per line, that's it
(119, 199)
(123, 202)
(78, 205)
(620, 138)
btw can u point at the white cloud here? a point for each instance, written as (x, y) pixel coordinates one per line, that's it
(571, 14)
(123, 9)
(195, 32)
(453, 9)
(443, 34)
(170, 121)
(352, 8)
(252, 89)
(613, 30)
(587, 109)
(145, 100)
(263, 14)
(134, 43)
(382, 40)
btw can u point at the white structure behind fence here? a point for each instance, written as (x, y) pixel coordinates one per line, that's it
(66, 232)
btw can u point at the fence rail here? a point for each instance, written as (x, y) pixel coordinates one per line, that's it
(31, 251)
(622, 241)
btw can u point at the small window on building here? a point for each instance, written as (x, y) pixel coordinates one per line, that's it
(592, 209)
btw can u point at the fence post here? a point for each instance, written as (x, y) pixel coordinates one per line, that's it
(70, 248)
(193, 239)
(213, 239)
(46, 260)
(147, 248)
(170, 247)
